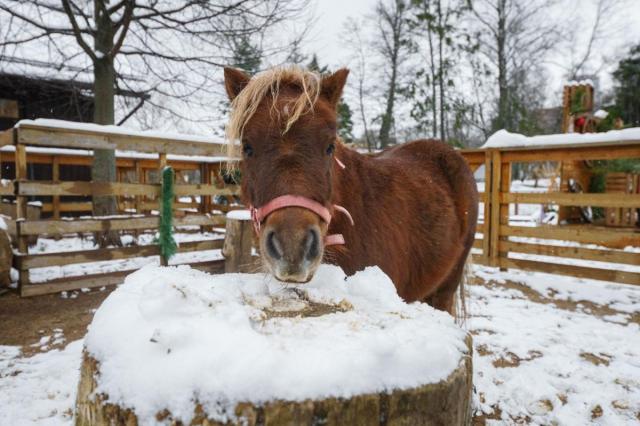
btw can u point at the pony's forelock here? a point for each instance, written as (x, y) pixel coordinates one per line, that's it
(244, 106)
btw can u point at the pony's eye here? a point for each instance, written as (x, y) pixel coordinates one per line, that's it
(331, 148)
(247, 150)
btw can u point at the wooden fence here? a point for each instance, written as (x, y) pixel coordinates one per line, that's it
(500, 243)
(554, 248)
(23, 188)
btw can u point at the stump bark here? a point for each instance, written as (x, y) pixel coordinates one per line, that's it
(444, 403)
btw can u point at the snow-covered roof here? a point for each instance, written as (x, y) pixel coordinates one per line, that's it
(587, 82)
(505, 139)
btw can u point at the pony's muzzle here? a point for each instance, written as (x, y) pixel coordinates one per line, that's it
(292, 246)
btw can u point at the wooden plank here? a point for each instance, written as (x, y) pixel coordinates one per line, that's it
(55, 176)
(505, 187)
(24, 262)
(75, 283)
(7, 188)
(612, 256)
(571, 199)
(33, 134)
(579, 234)
(477, 243)
(75, 206)
(486, 241)
(86, 188)
(494, 216)
(211, 266)
(609, 151)
(7, 137)
(37, 227)
(200, 189)
(201, 245)
(84, 256)
(573, 271)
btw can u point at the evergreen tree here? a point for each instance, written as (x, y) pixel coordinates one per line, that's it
(627, 89)
(345, 122)
(345, 116)
(246, 56)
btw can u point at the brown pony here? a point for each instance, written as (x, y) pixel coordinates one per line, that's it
(414, 206)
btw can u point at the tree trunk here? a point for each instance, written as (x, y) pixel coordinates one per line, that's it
(441, 35)
(387, 118)
(104, 160)
(447, 402)
(434, 90)
(503, 120)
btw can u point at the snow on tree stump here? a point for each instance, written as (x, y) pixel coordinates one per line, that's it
(178, 346)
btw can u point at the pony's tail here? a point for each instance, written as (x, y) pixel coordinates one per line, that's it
(460, 302)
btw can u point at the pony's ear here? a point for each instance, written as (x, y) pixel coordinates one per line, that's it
(331, 86)
(234, 81)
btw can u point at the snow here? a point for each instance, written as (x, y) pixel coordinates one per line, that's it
(238, 352)
(601, 114)
(550, 342)
(554, 381)
(505, 139)
(41, 389)
(239, 215)
(586, 82)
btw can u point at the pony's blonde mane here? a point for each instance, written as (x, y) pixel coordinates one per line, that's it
(244, 106)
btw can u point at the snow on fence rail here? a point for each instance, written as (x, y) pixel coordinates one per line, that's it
(54, 135)
(580, 250)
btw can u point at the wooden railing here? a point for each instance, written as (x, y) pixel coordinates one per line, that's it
(500, 243)
(505, 245)
(149, 193)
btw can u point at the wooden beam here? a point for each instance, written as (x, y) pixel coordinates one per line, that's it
(494, 217)
(573, 271)
(581, 234)
(41, 227)
(600, 255)
(86, 188)
(574, 199)
(608, 151)
(55, 176)
(33, 134)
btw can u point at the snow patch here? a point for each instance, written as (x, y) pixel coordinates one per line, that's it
(504, 139)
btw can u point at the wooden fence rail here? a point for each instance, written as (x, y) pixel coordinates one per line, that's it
(557, 249)
(586, 251)
(141, 197)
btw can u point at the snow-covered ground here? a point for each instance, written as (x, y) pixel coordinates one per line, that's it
(547, 349)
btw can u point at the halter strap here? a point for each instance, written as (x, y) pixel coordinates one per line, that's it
(259, 215)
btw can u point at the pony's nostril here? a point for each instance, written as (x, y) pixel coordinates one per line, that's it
(273, 246)
(312, 245)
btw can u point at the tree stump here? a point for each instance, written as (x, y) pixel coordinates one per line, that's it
(363, 377)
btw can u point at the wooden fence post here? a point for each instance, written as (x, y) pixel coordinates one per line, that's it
(503, 208)
(237, 242)
(486, 235)
(55, 177)
(162, 163)
(494, 232)
(21, 208)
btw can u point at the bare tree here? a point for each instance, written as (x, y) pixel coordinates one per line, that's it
(175, 45)
(583, 50)
(515, 38)
(353, 31)
(391, 42)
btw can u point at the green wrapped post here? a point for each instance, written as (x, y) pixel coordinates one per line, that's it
(167, 244)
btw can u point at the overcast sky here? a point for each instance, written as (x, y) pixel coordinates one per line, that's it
(623, 31)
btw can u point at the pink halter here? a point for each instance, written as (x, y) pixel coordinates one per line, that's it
(258, 215)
